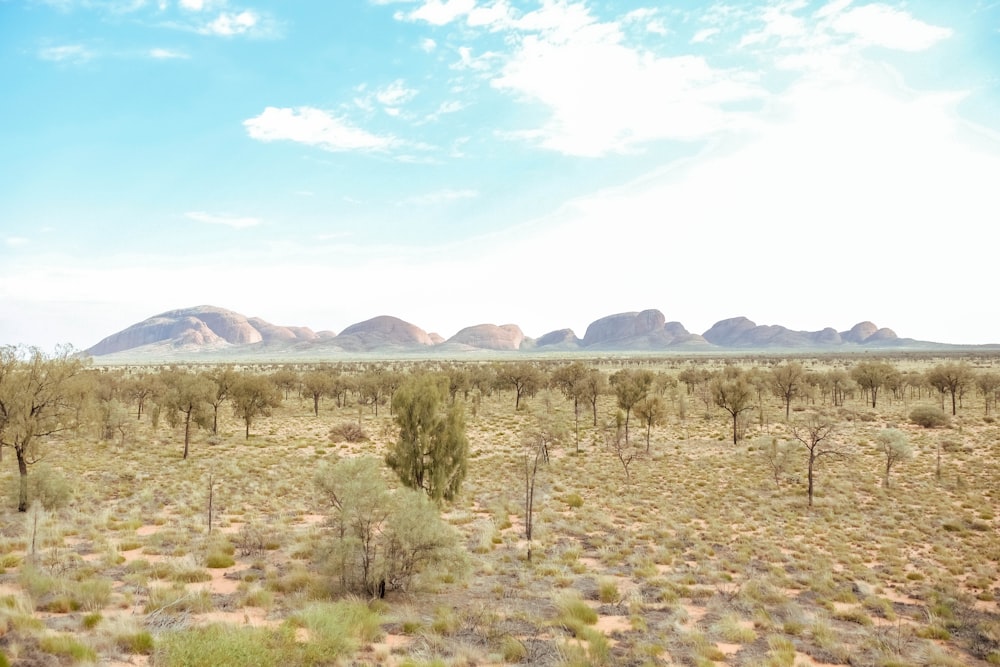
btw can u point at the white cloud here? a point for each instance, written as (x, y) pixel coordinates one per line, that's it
(67, 53)
(627, 96)
(427, 44)
(314, 127)
(704, 35)
(16, 241)
(880, 25)
(192, 5)
(228, 24)
(236, 222)
(167, 54)
(441, 12)
(395, 94)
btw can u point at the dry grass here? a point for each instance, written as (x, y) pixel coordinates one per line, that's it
(701, 556)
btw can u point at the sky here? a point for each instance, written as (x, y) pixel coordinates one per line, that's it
(537, 162)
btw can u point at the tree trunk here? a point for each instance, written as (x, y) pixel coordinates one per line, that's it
(316, 404)
(22, 470)
(812, 460)
(187, 433)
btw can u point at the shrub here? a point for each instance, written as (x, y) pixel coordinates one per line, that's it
(218, 560)
(47, 486)
(348, 432)
(928, 416)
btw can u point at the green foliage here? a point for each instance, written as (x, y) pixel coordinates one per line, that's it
(379, 536)
(432, 451)
(136, 643)
(928, 416)
(225, 646)
(47, 486)
(66, 645)
(348, 432)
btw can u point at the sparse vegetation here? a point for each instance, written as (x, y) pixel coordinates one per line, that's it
(708, 553)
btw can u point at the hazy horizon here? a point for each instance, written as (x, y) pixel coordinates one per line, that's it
(542, 163)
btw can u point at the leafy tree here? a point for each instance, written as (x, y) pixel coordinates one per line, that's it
(735, 396)
(317, 384)
(630, 386)
(286, 379)
(223, 378)
(570, 381)
(816, 435)
(651, 411)
(786, 382)
(950, 379)
(595, 385)
(33, 403)
(382, 539)
(838, 382)
(253, 396)
(432, 450)
(139, 389)
(535, 451)
(872, 376)
(187, 398)
(524, 377)
(894, 445)
(988, 383)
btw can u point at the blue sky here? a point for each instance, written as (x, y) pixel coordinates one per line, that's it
(541, 162)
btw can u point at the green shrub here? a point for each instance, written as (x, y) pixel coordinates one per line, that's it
(137, 643)
(47, 486)
(66, 645)
(218, 560)
(574, 500)
(928, 416)
(225, 646)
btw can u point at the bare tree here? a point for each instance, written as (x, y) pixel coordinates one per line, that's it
(816, 435)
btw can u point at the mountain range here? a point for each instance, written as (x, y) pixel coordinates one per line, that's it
(207, 330)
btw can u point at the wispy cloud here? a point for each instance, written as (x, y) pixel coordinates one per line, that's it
(167, 54)
(441, 197)
(228, 24)
(16, 241)
(67, 53)
(236, 222)
(314, 127)
(881, 25)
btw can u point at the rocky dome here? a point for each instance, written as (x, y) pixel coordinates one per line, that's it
(382, 331)
(564, 338)
(622, 326)
(198, 327)
(490, 337)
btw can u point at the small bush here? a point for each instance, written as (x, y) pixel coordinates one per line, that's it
(66, 645)
(348, 432)
(573, 500)
(218, 560)
(928, 416)
(137, 643)
(47, 486)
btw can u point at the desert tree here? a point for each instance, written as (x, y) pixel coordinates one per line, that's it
(895, 447)
(285, 379)
(786, 382)
(951, 379)
(139, 389)
(650, 411)
(223, 378)
(187, 398)
(816, 434)
(595, 385)
(735, 396)
(381, 539)
(872, 376)
(524, 377)
(988, 384)
(459, 381)
(33, 404)
(316, 384)
(630, 387)
(432, 450)
(253, 395)
(570, 381)
(838, 382)
(535, 446)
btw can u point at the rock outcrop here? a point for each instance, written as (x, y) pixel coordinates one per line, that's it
(563, 339)
(645, 330)
(383, 331)
(740, 332)
(206, 327)
(489, 337)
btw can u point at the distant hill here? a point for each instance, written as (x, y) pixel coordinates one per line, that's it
(206, 330)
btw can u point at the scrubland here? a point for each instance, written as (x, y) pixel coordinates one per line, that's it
(705, 553)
